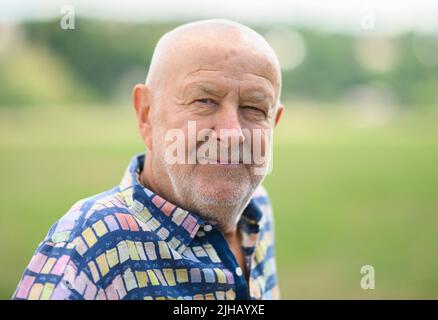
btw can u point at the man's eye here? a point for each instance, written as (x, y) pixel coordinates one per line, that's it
(206, 101)
(252, 108)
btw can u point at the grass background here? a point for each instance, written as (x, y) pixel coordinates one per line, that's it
(344, 195)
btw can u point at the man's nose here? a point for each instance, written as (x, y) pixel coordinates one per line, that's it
(227, 125)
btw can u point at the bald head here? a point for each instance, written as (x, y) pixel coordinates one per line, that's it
(214, 45)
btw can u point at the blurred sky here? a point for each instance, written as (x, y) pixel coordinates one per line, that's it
(347, 15)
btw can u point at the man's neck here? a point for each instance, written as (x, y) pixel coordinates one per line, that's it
(234, 239)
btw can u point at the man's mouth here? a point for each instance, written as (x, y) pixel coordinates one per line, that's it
(226, 162)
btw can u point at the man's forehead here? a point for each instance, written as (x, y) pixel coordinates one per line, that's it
(217, 83)
(236, 61)
(217, 69)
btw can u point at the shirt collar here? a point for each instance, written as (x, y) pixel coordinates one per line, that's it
(173, 224)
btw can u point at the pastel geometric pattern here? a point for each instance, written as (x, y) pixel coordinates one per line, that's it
(129, 243)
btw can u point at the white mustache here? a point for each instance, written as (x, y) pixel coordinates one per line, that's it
(226, 155)
(207, 148)
(204, 160)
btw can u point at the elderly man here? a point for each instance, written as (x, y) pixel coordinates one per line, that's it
(175, 228)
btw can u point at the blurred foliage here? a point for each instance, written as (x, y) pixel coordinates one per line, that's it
(100, 61)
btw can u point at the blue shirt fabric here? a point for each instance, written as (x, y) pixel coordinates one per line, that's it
(130, 243)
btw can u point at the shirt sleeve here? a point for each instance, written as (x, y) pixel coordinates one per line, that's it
(56, 272)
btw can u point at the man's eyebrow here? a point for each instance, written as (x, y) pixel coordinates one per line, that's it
(205, 88)
(257, 96)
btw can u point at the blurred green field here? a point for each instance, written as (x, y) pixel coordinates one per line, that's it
(344, 195)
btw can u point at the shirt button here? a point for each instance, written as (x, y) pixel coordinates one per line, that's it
(239, 271)
(207, 228)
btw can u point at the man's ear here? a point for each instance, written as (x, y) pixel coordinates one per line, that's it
(279, 113)
(141, 99)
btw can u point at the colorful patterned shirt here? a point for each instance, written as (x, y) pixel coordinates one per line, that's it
(130, 243)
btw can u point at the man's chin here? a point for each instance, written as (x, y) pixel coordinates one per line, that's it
(223, 192)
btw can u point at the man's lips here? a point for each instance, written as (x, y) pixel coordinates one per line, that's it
(219, 162)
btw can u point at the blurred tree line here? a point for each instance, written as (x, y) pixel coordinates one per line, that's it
(100, 61)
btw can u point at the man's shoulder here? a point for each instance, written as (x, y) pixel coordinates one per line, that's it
(88, 214)
(261, 195)
(62, 256)
(262, 201)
